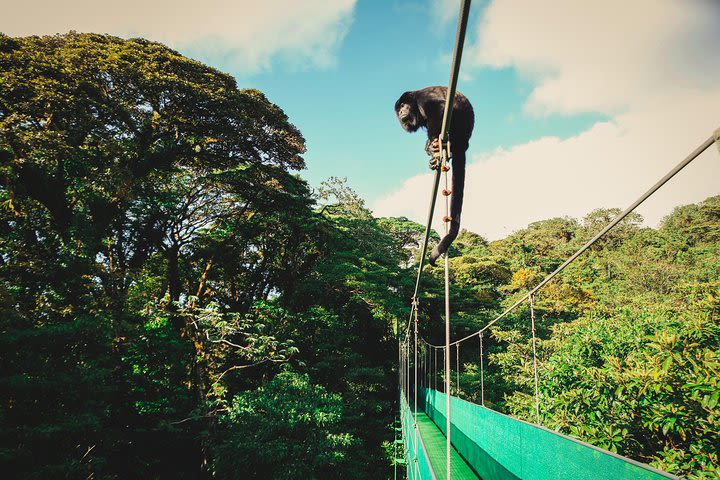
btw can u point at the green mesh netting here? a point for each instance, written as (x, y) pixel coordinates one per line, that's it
(418, 463)
(428, 463)
(499, 447)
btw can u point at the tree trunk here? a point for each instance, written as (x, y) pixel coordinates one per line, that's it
(173, 272)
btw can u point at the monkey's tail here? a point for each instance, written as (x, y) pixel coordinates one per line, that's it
(456, 203)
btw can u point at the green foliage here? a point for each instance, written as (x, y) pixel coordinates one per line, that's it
(543, 244)
(642, 383)
(174, 304)
(627, 336)
(145, 207)
(158, 260)
(696, 224)
(286, 429)
(628, 341)
(350, 299)
(339, 199)
(408, 234)
(57, 385)
(480, 276)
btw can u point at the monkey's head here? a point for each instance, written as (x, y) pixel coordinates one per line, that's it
(407, 111)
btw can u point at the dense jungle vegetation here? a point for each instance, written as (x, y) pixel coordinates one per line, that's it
(176, 302)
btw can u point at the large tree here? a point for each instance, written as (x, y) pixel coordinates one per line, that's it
(146, 204)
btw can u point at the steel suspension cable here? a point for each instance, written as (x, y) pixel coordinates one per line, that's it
(444, 132)
(444, 135)
(695, 153)
(443, 140)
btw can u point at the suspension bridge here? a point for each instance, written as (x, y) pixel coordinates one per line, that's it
(442, 436)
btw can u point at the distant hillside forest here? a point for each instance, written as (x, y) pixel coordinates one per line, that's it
(176, 303)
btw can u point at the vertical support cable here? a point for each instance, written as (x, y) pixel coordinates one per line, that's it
(448, 444)
(482, 373)
(401, 348)
(406, 367)
(428, 359)
(415, 386)
(457, 365)
(415, 381)
(435, 376)
(395, 445)
(422, 368)
(441, 380)
(423, 362)
(427, 366)
(407, 371)
(447, 121)
(408, 459)
(401, 368)
(535, 372)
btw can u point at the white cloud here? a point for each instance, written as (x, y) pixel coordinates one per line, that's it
(246, 33)
(445, 11)
(643, 62)
(598, 56)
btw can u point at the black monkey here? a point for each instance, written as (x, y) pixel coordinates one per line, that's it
(424, 108)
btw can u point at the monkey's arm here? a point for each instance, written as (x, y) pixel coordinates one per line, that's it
(431, 104)
(431, 107)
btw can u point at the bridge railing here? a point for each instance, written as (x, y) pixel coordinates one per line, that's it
(416, 456)
(499, 447)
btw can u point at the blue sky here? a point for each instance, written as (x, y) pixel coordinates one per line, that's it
(346, 111)
(578, 105)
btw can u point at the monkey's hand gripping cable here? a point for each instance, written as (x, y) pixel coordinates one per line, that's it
(437, 151)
